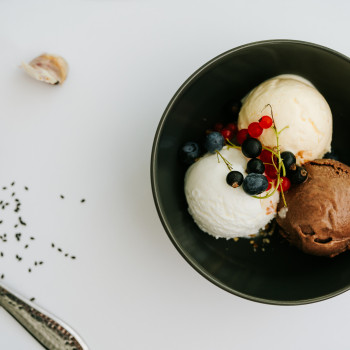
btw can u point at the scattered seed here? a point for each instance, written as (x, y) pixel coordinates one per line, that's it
(73, 257)
(41, 262)
(13, 183)
(32, 238)
(26, 188)
(2, 276)
(59, 249)
(31, 299)
(29, 270)
(13, 194)
(52, 245)
(26, 246)
(21, 221)
(62, 196)
(4, 188)
(83, 200)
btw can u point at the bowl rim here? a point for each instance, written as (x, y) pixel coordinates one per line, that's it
(154, 177)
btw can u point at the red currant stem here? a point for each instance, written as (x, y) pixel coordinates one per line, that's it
(230, 144)
(270, 150)
(286, 127)
(228, 164)
(284, 199)
(268, 105)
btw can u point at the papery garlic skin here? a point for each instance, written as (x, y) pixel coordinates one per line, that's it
(48, 68)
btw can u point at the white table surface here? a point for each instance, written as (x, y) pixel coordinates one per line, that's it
(91, 138)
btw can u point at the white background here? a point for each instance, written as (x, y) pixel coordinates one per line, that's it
(91, 138)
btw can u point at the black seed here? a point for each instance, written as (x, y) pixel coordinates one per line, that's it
(29, 270)
(32, 238)
(21, 221)
(26, 188)
(52, 245)
(13, 194)
(4, 188)
(59, 249)
(66, 254)
(1, 254)
(35, 263)
(0, 221)
(73, 257)
(31, 299)
(16, 226)
(62, 196)
(83, 200)
(41, 262)
(26, 246)
(13, 183)
(2, 276)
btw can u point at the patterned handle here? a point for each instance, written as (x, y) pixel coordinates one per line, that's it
(52, 333)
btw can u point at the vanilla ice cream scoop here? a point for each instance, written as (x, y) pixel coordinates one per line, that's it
(297, 104)
(219, 209)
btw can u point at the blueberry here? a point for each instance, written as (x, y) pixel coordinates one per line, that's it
(297, 176)
(214, 142)
(189, 152)
(251, 148)
(289, 160)
(254, 184)
(234, 179)
(255, 165)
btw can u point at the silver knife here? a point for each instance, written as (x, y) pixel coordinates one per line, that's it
(48, 330)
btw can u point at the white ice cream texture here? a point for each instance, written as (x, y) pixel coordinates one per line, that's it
(219, 209)
(296, 103)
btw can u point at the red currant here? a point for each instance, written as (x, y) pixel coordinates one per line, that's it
(266, 157)
(242, 135)
(232, 127)
(265, 122)
(254, 129)
(285, 185)
(270, 171)
(226, 133)
(270, 181)
(218, 127)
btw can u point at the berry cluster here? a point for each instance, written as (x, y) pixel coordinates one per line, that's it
(266, 167)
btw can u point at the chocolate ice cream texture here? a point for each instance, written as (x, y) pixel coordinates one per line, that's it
(318, 219)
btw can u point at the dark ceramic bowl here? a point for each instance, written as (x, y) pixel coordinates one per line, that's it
(280, 274)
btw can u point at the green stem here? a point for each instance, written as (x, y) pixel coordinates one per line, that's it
(228, 164)
(270, 150)
(230, 144)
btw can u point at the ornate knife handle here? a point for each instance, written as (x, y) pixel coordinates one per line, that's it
(51, 332)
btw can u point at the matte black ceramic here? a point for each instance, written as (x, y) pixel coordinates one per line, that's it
(281, 274)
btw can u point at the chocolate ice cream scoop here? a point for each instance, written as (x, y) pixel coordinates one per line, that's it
(318, 216)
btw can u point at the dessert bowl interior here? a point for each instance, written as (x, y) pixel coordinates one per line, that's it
(279, 274)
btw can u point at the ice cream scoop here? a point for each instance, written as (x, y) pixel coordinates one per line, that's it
(219, 209)
(296, 104)
(317, 220)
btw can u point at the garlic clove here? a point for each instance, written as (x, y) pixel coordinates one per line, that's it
(48, 68)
